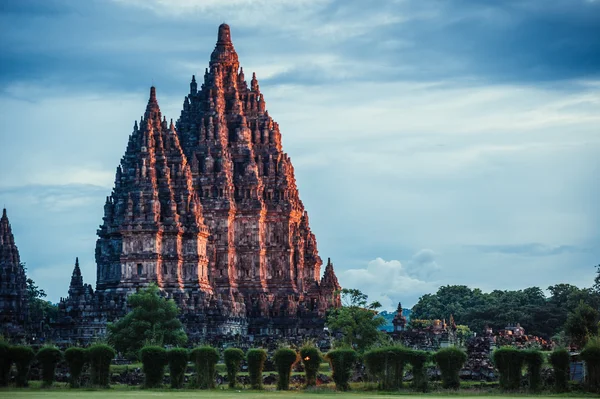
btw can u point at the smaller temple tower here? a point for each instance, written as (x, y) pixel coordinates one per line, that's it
(14, 304)
(399, 321)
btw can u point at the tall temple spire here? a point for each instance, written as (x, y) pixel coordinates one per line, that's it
(76, 285)
(224, 53)
(152, 109)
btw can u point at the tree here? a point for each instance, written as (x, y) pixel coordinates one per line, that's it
(41, 312)
(596, 286)
(581, 324)
(152, 320)
(356, 320)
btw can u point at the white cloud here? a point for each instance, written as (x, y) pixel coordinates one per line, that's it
(390, 282)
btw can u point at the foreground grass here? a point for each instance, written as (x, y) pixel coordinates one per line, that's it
(131, 392)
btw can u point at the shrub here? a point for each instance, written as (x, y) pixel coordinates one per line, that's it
(5, 363)
(509, 362)
(450, 361)
(311, 359)
(205, 358)
(100, 356)
(561, 362)
(22, 356)
(48, 356)
(178, 358)
(154, 359)
(284, 359)
(76, 359)
(386, 365)
(233, 358)
(591, 357)
(534, 360)
(417, 360)
(256, 362)
(342, 362)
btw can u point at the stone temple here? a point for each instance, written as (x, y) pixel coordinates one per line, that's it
(208, 209)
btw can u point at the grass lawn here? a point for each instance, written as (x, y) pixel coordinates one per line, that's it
(61, 393)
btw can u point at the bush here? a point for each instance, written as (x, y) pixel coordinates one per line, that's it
(450, 361)
(311, 359)
(591, 357)
(100, 356)
(386, 365)
(417, 360)
(76, 359)
(22, 356)
(48, 356)
(233, 358)
(342, 362)
(284, 359)
(178, 358)
(205, 358)
(534, 360)
(509, 362)
(256, 362)
(561, 362)
(154, 359)
(5, 363)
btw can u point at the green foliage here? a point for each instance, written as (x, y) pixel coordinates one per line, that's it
(22, 356)
(509, 362)
(539, 315)
(154, 359)
(5, 363)
(48, 356)
(386, 365)
(311, 359)
(76, 359)
(534, 359)
(152, 320)
(450, 361)
(205, 358)
(561, 362)
(581, 324)
(591, 356)
(356, 320)
(100, 356)
(284, 359)
(178, 359)
(342, 362)
(417, 360)
(233, 358)
(256, 362)
(40, 310)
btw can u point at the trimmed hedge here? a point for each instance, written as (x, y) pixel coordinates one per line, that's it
(417, 360)
(311, 359)
(154, 359)
(509, 362)
(48, 356)
(591, 356)
(342, 362)
(22, 356)
(284, 359)
(178, 359)
(5, 363)
(76, 359)
(233, 358)
(100, 356)
(386, 365)
(205, 358)
(534, 359)
(450, 361)
(561, 363)
(256, 363)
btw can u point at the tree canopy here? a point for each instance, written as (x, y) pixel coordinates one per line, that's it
(357, 320)
(152, 320)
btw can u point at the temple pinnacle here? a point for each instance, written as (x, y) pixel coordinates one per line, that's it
(224, 34)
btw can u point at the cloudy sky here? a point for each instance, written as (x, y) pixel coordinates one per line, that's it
(434, 142)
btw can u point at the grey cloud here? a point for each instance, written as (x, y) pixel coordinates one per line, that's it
(528, 249)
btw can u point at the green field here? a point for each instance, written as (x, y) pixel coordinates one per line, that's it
(227, 394)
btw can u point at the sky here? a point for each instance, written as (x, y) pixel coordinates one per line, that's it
(434, 142)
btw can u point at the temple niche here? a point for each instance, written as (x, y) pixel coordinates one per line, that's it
(208, 209)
